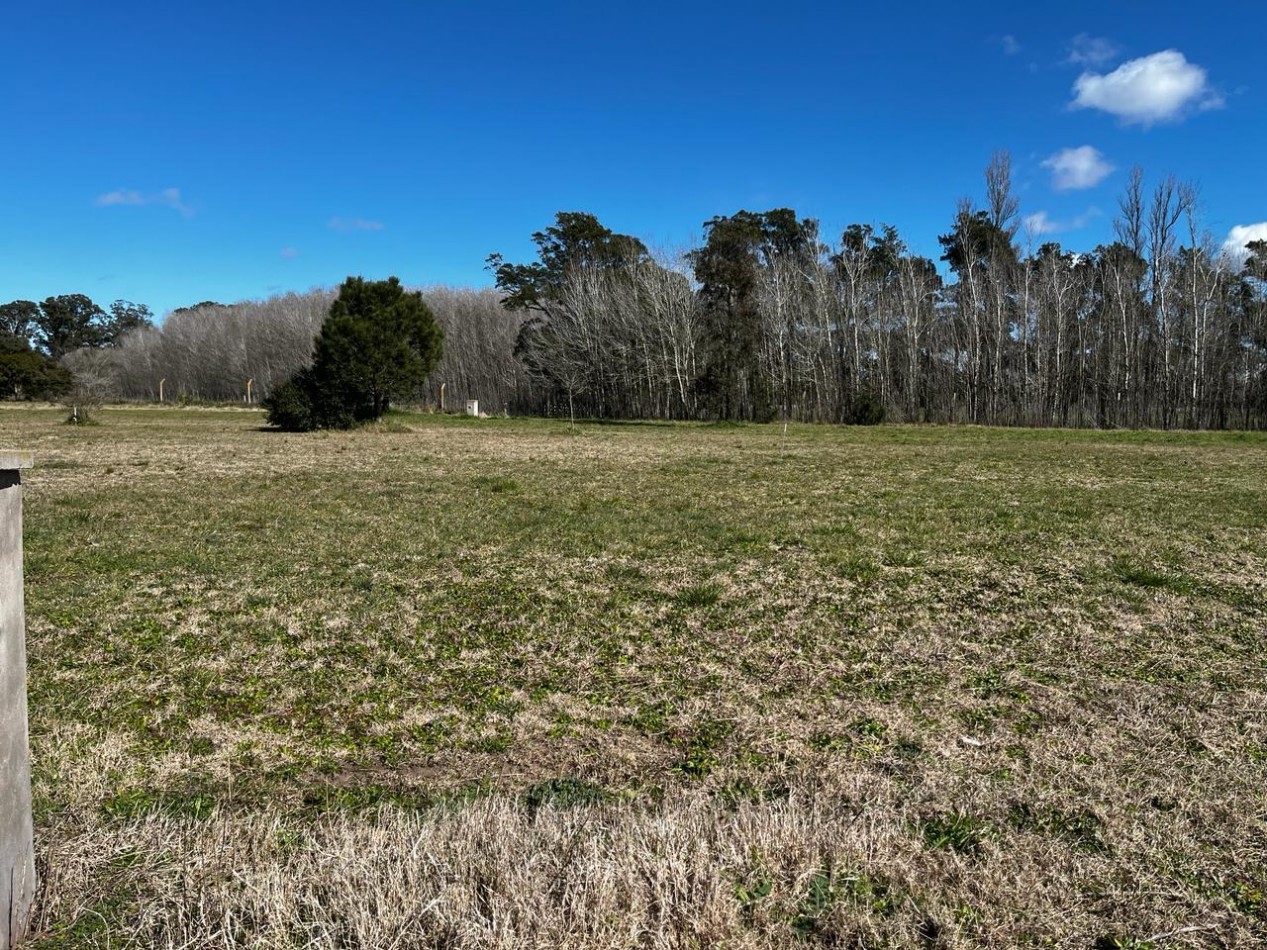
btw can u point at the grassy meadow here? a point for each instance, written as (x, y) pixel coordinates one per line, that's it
(449, 682)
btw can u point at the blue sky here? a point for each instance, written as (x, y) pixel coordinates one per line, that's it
(168, 153)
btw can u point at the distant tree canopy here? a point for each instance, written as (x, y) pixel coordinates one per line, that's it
(35, 337)
(575, 241)
(69, 322)
(28, 374)
(124, 317)
(18, 318)
(378, 343)
(201, 305)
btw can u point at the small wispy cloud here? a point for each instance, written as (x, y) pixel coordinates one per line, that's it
(1161, 87)
(120, 196)
(167, 198)
(1011, 45)
(289, 253)
(354, 224)
(1040, 222)
(1093, 51)
(1076, 168)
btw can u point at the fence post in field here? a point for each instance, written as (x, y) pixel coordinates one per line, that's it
(17, 853)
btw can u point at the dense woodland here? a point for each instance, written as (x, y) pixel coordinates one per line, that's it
(768, 320)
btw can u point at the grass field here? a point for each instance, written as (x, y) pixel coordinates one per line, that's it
(474, 683)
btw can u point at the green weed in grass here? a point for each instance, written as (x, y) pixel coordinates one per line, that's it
(956, 831)
(700, 596)
(563, 793)
(1139, 575)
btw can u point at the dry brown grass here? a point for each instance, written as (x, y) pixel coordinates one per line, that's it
(837, 866)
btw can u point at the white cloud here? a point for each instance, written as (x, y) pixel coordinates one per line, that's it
(1093, 51)
(290, 253)
(1040, 222)
(1011, 45)
(1239, 236)
(1076, 168)
(1150, 89)
(167, 198)
(353, 224)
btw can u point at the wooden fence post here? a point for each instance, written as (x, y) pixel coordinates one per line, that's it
(17, 852)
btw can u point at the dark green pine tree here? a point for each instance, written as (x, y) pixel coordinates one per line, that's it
(378, 344)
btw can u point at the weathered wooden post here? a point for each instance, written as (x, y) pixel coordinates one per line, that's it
(17, 852)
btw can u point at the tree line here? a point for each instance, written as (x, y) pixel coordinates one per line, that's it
(768, 320)
(208, 351)
(1159, 328)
